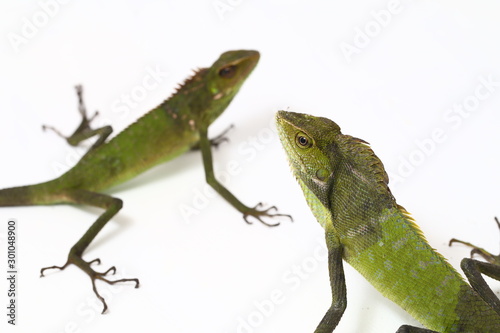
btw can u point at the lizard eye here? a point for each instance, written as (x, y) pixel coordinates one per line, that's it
(303, 140)
(227, 72)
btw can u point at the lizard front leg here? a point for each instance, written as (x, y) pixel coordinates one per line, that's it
(111, 206)
(256, 212)
(339, 292)
(337, 284)
(84, 131)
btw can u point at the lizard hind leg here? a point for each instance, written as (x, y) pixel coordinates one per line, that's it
(111, 206)
(491, 258)
(83, 131)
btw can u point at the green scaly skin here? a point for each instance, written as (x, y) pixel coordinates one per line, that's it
(346, 187)
(174, 127)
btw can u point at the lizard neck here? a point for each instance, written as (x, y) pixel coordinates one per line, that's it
(357, 204)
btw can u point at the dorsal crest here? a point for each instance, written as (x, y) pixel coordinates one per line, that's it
(190, 83)
(363, 159)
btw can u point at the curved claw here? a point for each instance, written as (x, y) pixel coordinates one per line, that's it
(258, 214)
(91, 118)
(53, 267)
(112, 268)
(96, 260)
(99, 276)
(55, 130)
(485, 254)
(94, 288)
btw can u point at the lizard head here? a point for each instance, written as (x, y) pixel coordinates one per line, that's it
(229, 72)
(319, 154)
(225, 77)
(307, 141)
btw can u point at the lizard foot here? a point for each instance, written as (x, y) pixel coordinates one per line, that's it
(215, 142)
(493, 259)
(85, 266)
(259, 213)
(84, 127)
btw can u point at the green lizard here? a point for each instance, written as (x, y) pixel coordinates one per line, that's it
(346, 187)
(176, 126)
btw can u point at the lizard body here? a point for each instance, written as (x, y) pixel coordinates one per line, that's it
(346, 187)
(177, 125)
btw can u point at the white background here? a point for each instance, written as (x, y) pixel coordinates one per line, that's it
(213, 272)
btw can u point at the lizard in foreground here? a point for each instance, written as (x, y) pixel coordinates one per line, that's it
(346, 187)
(176, 126)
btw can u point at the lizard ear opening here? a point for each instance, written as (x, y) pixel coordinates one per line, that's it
(228, 72)
(303, 140)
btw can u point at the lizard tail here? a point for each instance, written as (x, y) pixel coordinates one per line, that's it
(38, 194)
